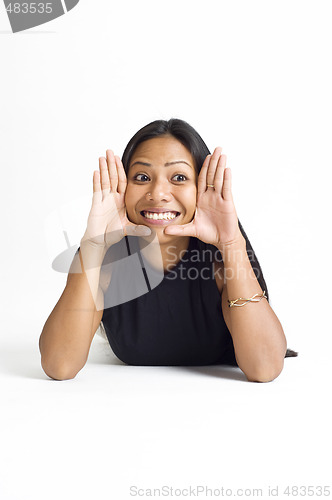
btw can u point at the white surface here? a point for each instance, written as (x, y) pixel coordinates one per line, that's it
(116, 426)
(253, 77)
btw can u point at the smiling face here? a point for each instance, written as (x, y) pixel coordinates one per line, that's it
(161, 185)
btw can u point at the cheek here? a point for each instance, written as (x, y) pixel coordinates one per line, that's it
(129, 198)
(191, 197)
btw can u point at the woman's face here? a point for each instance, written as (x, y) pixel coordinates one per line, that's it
(161, 185)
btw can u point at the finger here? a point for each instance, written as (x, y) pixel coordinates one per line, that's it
(112, 170)
(97, 194)
(212, 166)
(122, 178)
(181, 230)
(227, 185)
(219, 175)
(131, 229)
(201, 184)
(105, 178)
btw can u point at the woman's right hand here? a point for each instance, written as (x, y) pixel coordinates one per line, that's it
(107, 221)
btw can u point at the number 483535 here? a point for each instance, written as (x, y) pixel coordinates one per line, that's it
(29, 8)
(307, 491)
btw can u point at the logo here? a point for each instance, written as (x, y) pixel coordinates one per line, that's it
(125, 263)
(25, 15)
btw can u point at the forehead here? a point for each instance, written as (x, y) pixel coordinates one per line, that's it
(161, 150)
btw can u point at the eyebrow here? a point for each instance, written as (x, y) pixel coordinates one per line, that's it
(166, 164)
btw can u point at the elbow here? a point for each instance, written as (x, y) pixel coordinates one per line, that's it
(58, 372)
(265, 373)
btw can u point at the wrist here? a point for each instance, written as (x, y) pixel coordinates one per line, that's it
(232, 248)
(237, 267)
(89, 243)
(92, 254)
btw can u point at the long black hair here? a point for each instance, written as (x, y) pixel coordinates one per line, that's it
(193, 142)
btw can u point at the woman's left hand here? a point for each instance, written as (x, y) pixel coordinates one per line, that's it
(215, 221)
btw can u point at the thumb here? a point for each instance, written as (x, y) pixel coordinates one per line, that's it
(181, 230)
(136, 230)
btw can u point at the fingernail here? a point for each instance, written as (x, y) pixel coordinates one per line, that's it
(145, 231)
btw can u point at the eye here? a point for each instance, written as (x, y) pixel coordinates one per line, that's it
(183, 177)
(141, 177)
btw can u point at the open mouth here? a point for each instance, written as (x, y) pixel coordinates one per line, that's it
(159, 216)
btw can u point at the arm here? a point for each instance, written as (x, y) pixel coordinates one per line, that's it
(258, 337)
(68, 332)
(66, 338)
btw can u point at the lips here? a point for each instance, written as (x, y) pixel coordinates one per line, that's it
(159, 216)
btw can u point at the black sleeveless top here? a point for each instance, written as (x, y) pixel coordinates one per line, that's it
(170, 318)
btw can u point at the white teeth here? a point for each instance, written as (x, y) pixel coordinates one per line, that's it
(159, 215)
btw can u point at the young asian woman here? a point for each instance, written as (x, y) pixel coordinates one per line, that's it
(168, 202)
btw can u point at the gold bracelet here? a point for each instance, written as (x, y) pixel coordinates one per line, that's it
(252, 299)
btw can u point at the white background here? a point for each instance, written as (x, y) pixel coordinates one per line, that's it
(251, 76)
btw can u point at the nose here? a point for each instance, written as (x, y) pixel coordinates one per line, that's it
(159, 191)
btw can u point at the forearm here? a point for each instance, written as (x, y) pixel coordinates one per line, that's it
(258, 337)
(67, 334)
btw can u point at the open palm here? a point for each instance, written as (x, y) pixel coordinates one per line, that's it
(215, 220)
(108, 222)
